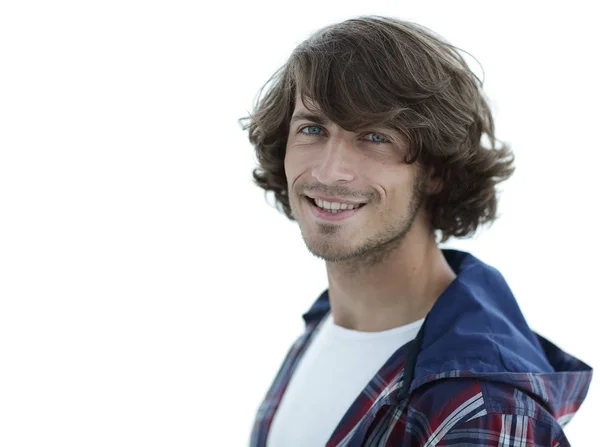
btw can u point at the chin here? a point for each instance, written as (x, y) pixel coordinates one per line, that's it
(330, 252)
(332, 256)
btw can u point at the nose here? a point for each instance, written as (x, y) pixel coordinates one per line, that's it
(334, 164)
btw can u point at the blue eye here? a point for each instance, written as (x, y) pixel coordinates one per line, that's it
(376, 138)
(311, 130)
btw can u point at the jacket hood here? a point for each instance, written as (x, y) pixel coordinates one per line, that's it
(476, 329)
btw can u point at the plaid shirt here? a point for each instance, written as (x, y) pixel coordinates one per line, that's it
(475, 375)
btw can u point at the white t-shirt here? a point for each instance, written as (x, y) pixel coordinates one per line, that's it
(336, 367)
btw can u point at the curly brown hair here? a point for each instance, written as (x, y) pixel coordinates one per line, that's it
(379, 71)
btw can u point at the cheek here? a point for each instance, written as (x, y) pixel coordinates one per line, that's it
(290, 175)
(288, 165)
(394, 186)
(294, 165)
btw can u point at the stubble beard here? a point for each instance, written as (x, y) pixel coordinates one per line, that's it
(373, 250)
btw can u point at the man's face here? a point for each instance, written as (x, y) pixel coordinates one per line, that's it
(352, 193)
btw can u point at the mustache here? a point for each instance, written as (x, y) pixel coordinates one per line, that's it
(336, 190)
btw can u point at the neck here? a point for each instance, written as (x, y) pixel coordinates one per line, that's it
(398, 288)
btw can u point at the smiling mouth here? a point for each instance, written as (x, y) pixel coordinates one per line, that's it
(334, 207)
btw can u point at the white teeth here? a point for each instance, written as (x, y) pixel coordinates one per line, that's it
(334, 206)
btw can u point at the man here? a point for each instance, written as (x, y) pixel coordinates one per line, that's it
(376, 138)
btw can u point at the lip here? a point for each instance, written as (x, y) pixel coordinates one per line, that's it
(333, 199)
(330, 217)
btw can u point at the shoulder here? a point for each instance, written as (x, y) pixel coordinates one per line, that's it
(471, 395)
(468, 411)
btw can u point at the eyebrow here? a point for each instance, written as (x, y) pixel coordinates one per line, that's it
(307, 116)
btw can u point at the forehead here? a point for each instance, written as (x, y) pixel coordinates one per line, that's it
(309, 109)
(304, 103)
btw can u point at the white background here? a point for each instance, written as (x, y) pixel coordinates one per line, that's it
(148, 293)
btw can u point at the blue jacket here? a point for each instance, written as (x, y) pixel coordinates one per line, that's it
(475, 375)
